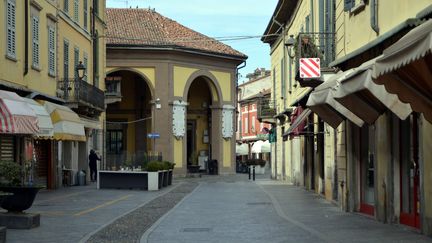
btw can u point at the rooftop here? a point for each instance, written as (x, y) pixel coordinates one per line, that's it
(147, 28)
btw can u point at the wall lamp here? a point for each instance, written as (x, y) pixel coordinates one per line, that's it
(290, 45)
(158, 103)
(80, 69)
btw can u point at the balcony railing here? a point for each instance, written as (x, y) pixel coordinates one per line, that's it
(316, 44)
(266, 109)
(81, 94)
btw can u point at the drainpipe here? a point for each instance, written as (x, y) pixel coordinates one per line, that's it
(26, 37)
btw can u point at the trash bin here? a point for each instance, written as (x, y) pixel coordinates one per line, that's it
(213, 167)
(81, 178)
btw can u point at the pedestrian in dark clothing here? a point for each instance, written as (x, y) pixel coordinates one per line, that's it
(93, 158)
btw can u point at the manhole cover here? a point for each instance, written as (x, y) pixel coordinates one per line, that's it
(258, 203)
(196, 230)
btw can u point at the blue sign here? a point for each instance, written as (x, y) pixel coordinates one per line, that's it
(153, 135)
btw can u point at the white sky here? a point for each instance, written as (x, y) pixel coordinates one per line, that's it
(219, 18)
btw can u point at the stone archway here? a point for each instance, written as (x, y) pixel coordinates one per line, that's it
(128, 118)
(203, 117)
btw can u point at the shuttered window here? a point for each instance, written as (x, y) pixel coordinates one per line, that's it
(66, 60)
(76, 61)
(35, 41)
(66, 6)
(51, 51)
(85, 65)
(307, 23)
(10, 26)
(85, 6)
(7, 151)
(76, 10)
(282, 64)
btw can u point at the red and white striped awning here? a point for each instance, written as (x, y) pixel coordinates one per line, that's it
(16, 116)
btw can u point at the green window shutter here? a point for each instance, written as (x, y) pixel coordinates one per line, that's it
(51, 51)
(76, 61)
(66, 6)
(85, 6)
(66, 59)
(11, 29)
(35, 41)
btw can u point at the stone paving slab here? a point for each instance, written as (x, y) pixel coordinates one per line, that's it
(70, 214)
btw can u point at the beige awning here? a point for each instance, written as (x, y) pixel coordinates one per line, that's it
(242, 149)
(363, 97)
(322, 102)
(405, 69)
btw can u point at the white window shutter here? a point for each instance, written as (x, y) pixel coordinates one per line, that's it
(51, 51)
(10, 24)
(35, 41)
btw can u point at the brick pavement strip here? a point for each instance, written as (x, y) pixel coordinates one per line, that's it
(130, 227)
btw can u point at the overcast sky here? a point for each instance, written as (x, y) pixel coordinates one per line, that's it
(219, 18)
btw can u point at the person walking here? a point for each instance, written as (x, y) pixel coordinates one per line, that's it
(93, 158)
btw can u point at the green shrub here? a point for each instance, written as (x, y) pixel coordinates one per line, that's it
(10, 173)
(154, 166)
(168, 165)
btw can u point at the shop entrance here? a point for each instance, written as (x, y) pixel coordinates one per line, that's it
(409, 172)
(367, 170)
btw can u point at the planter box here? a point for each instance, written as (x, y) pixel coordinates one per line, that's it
(170, 176)
(21, 198)
(123, 180)
(153, 181)
(165, 178)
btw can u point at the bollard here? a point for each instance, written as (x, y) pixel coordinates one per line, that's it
(253, 172)
(249, 172)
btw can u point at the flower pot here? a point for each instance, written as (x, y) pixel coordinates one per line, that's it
(165, 178)
(153, 181)
(170, 176)
(22, 198)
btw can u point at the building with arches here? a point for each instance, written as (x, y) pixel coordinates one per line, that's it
(171, 82)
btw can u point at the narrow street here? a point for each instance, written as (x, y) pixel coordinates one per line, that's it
(207, 209)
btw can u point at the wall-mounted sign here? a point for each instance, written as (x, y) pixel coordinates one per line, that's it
(178, 122)
(227, 121)
(153, 135)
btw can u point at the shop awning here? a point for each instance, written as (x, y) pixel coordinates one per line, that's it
(405, 69)
(46, 128)
(16, 116)
(321, 101)
(242, 149)
(363, 97)
(67, 124)
(298, 122)
(261, 147)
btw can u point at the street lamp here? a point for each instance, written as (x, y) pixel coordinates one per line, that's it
(158, 104)
(290, 44)
(80, 69)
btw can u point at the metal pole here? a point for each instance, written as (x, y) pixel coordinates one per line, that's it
(249, 170)
(253, 173)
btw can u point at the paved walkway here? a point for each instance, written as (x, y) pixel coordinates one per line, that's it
(219, 209)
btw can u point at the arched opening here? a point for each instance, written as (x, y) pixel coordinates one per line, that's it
(128, 117)
(200, 98)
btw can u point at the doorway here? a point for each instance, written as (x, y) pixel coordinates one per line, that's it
(367, 170)
(191, 137)
(409, 172)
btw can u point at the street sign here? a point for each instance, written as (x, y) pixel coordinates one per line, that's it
(153, 135)
(310, 68)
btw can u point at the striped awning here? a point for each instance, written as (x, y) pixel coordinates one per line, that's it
(46, 128)
(16, 116)
(67, 124)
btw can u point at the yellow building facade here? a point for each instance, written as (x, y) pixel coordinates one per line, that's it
(359, 145)
(36, 64)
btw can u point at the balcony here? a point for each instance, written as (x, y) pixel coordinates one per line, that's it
(266, 110)
(81, 96)
(309, 45)
(113, 90)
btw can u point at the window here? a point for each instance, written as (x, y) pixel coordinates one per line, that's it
(66, 6)
(51, 51)
(76, 61)
(85, 6)
(115, 141)
(35, 41)
(282, 77)
(246, 125)
(290, 73)
(66, 60)
(96, 6)
(96, 60)
(10, 26)
(253, 124)
(76, 10)
(85, 65)
(307, 23)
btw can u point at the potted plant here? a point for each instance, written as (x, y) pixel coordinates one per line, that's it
(15, 180)
(170, 167)
(153, 168)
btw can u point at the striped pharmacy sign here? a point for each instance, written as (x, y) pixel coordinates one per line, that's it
(310, 68)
